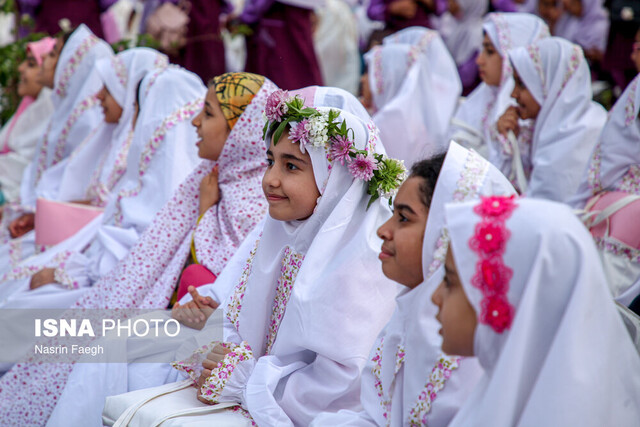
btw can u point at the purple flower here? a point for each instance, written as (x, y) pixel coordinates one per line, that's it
(362, 167)
(340, 150)
(300, 133)
(275, 107)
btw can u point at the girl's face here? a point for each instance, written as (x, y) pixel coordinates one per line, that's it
(454, 7)
(528, 107)
(367, 97)
(110, 108)
(213, 129)
(573, 7)
(489, 63)
(29, 70)
(549, 10)
(402, 235)
(49, 62)
(455, 313)
(289, 184)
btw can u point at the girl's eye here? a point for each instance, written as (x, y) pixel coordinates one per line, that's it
(208, 114)
(269, 162)
(291, 166)
(402, 218)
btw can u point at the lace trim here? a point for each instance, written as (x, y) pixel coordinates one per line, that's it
(492, 275)
(440, 373)
(73, 64)
(235, 305)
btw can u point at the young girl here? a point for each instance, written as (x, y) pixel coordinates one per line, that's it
(614, 174)
(525, 293)
(298, 315)
(19, 136)
(552, 87)
(404, 362)
(474, 124)
(413, 86)
(69, 71)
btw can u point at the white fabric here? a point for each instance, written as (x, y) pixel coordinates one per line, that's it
(413, 327)
(415, 89)
(77, 112)
(26, 132)
(318, 350)
(567, 343)
(463, 34)
(590, 30)
(474, 124)
(569, 122)
(336, 44)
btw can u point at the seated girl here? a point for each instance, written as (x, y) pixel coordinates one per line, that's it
(310, 300)
(163, 151)
(19, 136)
(611, 183)
(552, 87)
(474, 123)
(525, 293)
(403, 383)
(412, 88)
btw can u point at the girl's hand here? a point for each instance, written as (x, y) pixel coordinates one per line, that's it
(210, 363)
(509, 122)
(195, 313)
(22, 225)
(42, 277)
(209, 190)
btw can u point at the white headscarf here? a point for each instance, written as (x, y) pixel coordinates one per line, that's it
(148, 274)
(322, 283)
(94, 167)
(474, 123)
(615, 162)
(77, 112)
(569, 122)
(590, 30)
(566, 359)
(463, 34)
(407, 366)
(415, 89)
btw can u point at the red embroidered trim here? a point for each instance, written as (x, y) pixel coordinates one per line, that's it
(492, 275)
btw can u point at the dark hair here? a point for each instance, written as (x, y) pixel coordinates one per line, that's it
(429, 170)
(138, 87)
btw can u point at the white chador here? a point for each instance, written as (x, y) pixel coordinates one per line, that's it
(162, 153)
(474, 124)
(408, 380)
(564, 357)
(415, 88)
(569, 123)
(77, 115)
(310, 299)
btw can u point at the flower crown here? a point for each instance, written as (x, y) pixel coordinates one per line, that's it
(321, 129)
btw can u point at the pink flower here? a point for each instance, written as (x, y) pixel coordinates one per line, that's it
(300, 134)
(496, 206)
(340, 149)
(497, 312)
(492, 276)
(489, 238)
(362, 167)
(275, 107)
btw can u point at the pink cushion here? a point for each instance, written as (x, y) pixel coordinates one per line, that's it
(624, 225)
(194, 275)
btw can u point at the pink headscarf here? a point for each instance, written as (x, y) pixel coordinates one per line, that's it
(39, 50)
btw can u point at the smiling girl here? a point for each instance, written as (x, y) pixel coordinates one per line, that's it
(19, 136)
(525, 293)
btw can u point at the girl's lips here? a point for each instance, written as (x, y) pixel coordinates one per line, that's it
(275, 198)
(384, 254)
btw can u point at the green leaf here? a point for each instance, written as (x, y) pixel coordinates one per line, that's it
(279, 130)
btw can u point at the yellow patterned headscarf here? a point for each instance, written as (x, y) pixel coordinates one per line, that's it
(234, 92)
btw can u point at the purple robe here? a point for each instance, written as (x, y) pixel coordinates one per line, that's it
(281, 46)
(47, 13)
(377, 11)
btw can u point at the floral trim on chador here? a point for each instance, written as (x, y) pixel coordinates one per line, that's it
(235, 305)
(439, 375)
(240, 410)
(492, 276)
(212, 388)
(618, 248)
(71, 66)
(291, 263)
(99, 191)
(471, 178)
(629, 106)
(385, 400)
(186, 112)
(630, 181)
(29, 270)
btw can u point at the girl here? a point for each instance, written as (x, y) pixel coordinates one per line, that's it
(414, 90)
(68, 70)
(552, 87)
(283, 314)
(474, 124)
(19, 136)
(613, 174)
(525, 293)
(404, 361)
